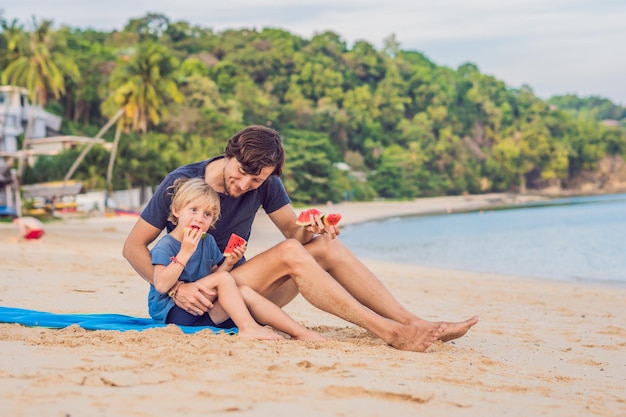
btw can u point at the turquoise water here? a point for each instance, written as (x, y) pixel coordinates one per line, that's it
(573, 239)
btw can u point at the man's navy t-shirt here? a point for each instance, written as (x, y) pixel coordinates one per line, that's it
(237, 214)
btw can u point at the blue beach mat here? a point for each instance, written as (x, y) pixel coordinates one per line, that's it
(117, 322)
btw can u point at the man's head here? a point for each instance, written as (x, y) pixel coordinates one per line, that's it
(257, 147)
(252, 156)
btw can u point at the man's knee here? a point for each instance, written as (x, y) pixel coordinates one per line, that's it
(292, 249)
(325, 250)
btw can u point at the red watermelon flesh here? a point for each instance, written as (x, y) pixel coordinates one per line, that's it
(331, 219)
(233, 243)
(304, 219)
(194, 227)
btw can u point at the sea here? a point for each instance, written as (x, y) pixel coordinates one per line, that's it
(578, 239)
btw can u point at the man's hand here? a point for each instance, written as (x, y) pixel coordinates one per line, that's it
(195, 298)
(318, 227)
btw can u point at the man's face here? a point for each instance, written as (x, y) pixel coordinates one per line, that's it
(237, 182)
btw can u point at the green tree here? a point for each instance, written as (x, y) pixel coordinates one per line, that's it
(41, 65)
(141, 86)
(95, 60)
(310, 166)
(399, 173)
(13, 40)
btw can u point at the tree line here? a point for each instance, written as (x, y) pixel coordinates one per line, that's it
(405, 126)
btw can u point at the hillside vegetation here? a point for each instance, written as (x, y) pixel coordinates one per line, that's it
(405, 126)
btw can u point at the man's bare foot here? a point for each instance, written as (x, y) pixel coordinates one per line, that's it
(309, 336)
(417, 338)
(454, 330)
(259, 333)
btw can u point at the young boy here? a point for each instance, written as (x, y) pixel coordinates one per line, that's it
(188, 254)
(30, 227)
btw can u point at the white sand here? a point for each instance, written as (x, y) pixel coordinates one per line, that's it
(541, 348)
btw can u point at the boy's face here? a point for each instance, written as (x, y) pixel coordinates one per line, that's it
(196, 213)
(237, 182)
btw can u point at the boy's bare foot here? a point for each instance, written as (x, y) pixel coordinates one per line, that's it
(454, 330)
(259, 333)
(417, 339)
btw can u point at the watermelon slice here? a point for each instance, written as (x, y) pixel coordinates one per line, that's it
(233, 243)
(331, 219)
(304, 219)
(194, 227)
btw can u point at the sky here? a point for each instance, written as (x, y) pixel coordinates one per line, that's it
(554, 46)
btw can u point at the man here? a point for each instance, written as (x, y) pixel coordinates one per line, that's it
(311, 261)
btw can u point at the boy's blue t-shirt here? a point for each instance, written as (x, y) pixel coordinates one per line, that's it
(237, 214)
(199, 265)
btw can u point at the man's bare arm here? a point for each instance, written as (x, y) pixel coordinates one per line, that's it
(285, 220)
(136, 249)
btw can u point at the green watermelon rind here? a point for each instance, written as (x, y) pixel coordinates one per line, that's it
(329, 219)
(203, 233)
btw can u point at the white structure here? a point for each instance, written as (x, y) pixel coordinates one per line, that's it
(15, 112)
(9, 197)
(15, 109)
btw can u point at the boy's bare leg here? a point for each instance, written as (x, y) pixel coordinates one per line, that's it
(231, 304)
(359, 281)
(268, 313)
(267, 272)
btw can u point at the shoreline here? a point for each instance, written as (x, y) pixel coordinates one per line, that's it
(361, 212)
(541, 347)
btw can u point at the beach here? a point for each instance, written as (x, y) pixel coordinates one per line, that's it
(541, 347)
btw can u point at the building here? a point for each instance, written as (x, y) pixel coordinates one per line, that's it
(44, 139)
(9, 197)
(15, 109)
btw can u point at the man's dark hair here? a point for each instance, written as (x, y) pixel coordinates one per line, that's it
(255, 148)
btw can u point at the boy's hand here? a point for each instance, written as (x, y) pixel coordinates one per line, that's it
(234, 257)
(191, 237)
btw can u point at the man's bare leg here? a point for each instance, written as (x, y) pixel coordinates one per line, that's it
(359, 281)
(266, 273)
(285, 293)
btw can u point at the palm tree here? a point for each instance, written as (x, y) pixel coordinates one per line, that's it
(41, 66)
(141, 85)
(14, 38)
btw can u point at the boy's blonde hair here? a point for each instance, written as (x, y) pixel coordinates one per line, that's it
(185, 190)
